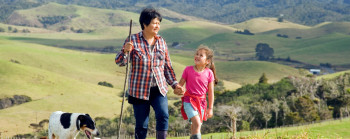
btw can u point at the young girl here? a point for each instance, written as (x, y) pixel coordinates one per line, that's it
(199, 80)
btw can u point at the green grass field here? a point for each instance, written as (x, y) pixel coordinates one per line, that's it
(325, 130)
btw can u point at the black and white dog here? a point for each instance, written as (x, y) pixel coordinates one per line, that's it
(67, 125)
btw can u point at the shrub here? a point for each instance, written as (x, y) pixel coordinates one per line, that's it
(244, 32)
(245, 126)
(104, 83)
(15, 30)
(80, 31)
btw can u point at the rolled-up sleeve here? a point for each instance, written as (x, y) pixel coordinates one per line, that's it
(121, 58)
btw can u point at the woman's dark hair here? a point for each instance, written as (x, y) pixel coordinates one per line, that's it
(147, 15)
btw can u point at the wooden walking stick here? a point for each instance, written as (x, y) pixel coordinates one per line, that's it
(126, 78)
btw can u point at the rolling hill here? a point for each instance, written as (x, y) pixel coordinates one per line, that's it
(322, 44)
(67, 17)
(263, 24)
(302, 41)
(56, 79)
(315, 31)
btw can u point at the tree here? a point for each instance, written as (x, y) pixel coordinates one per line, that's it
(266, 111)
(275, 108)
(285, 110)
(305, 85)
(263, 79)
(233, 112)
(306, 108)
(263, 51)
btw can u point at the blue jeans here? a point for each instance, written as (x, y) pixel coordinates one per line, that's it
(141, 113)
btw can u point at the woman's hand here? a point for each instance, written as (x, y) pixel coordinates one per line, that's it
(128, 47)
(179, 90)
(209, 113)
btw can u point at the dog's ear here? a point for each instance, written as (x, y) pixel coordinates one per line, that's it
(79, 119)
(87, 115)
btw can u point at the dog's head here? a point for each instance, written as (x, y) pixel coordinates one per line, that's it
(86, 124)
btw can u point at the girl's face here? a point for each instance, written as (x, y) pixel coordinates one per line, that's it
(153, 27)
(200, 58)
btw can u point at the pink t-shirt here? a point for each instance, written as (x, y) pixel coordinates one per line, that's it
(197, 83)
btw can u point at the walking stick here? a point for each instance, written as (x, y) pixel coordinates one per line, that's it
(126, 78)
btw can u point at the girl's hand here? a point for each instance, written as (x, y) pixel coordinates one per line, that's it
(209, 113)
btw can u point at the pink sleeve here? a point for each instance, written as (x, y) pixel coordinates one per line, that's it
(211, 76)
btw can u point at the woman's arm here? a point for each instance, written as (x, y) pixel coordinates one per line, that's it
(121, 58)
(210, 99)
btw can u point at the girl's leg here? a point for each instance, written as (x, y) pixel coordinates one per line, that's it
(195, 120)
(196, 125)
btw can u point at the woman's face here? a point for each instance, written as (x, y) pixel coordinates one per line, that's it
(153, 27)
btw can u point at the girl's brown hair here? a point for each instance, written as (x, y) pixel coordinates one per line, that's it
(210, 56)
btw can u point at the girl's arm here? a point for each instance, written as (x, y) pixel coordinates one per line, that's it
(210, 99)
(182, 82)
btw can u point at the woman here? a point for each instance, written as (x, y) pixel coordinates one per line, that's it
(151, 69)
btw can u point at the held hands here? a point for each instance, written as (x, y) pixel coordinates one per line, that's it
(179, 90)
(128, 47)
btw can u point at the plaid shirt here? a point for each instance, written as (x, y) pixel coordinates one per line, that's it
(144, 66)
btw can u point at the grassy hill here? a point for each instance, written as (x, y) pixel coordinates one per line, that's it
(183, 32)
(321, 41)
(331, 76)
(192, 31)
(21, 28)
(56, 79)
(331, 47)
(315, 31)
(55, 16)
(50, 92)
(263, 24)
